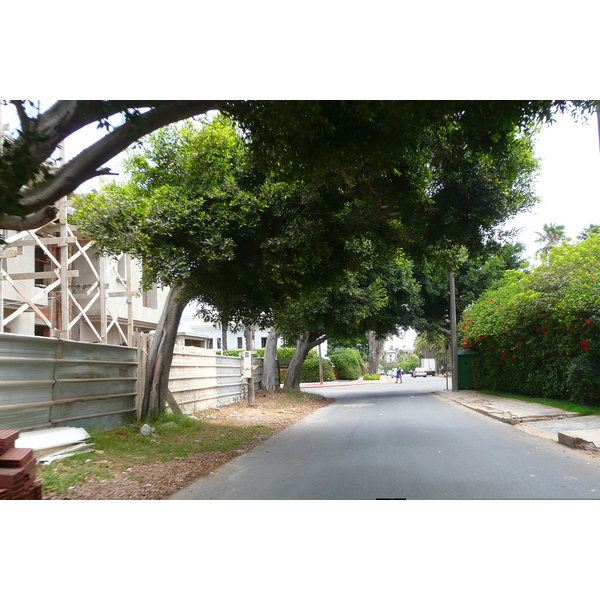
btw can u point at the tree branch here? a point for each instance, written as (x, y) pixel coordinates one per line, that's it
(32, 221)
(23, 118)
(85, 165)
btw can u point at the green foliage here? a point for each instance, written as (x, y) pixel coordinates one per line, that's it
(257, 352)
(348, 363)
(284, 356)
(372, 377)
(538, 334)
(310, 370)
(583, 379)
(409, 362)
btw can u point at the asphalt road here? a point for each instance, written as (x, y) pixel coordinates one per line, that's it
(401, 441)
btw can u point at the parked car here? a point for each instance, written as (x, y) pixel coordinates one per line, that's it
(419, 372)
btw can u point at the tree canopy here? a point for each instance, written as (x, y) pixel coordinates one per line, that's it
(200, 216)
(361, 144)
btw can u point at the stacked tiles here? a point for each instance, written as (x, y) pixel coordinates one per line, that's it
(17, 470)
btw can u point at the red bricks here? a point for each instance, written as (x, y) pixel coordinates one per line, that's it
(7, 439)
(17, 470)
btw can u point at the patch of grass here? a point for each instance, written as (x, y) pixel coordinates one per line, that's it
(59, 476)
(175, 436)
(297, 396)
(581, 409)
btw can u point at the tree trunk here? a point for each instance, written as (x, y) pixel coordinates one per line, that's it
(376, 344)
(270, 380)
(306, 342)
(249, 335)
(160, 355)
(224, 330)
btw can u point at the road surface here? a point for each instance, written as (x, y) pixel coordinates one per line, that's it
(401, 441)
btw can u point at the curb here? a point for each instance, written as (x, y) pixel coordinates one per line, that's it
(568, 437)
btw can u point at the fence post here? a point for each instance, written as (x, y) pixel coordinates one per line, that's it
(141, 341)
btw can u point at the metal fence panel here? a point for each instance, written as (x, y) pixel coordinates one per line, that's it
(47, 381)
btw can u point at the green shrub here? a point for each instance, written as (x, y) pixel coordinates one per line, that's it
(347, 362)
(374, 377)
(310, 370)
(284, 356)
(584, 380)
(538, 334)
(257, 352)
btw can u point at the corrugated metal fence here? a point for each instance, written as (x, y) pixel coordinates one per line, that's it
(202, 379)
(46, 382)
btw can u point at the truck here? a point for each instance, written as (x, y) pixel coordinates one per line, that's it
(429, 365)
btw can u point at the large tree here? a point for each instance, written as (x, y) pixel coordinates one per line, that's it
(208, 224)
(550, 236)
(352, 139)
(443, 173)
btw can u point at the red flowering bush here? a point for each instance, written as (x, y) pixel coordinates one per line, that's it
(531, 328)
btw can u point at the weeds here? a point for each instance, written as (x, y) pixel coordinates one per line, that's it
(175, 436)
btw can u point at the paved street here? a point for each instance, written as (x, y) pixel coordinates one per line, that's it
(402, 441)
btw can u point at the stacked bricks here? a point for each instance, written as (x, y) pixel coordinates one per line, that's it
(17, 470)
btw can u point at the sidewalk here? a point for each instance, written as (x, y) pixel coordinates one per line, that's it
(565, 427)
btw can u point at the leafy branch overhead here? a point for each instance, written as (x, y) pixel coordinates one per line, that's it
(367, 146)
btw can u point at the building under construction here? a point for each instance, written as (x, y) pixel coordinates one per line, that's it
(53, 283)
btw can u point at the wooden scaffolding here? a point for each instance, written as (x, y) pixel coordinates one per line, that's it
(63, 297)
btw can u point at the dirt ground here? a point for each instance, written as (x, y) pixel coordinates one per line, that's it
(156, 481)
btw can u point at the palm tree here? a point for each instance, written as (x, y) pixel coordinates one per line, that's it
(583, 235)
(551, 236)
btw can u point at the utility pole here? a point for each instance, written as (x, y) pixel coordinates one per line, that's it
(453, 335)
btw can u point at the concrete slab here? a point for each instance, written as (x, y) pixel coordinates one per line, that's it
(563, 426)
(507, 410)
(588, 439)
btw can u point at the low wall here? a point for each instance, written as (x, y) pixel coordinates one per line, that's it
(201, 379)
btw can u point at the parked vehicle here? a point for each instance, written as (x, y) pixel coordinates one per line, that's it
(429, 365)
(419, 372)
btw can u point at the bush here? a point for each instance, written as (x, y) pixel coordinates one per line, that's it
(310, 370)
(257, 352)
(347, 362)
(538, 334)
(583, 380)
(284, 356)
(374, 377)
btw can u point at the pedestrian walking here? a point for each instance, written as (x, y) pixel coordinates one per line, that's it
(399, 375)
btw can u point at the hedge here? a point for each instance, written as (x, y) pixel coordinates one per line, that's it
(347, 362)
(538, 334)
(310, 370)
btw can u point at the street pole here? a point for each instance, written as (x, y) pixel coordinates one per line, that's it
(320, 366)
(453, 335)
